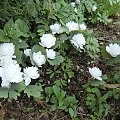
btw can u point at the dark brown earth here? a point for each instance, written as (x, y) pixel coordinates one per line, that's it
(28, 109)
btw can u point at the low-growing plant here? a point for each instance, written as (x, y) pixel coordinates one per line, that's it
(41, 34)
(65, 70)
(97, 102)
(59, 99)
(34, 10)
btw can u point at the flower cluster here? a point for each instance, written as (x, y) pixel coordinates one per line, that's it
(114, 51)
(10, 71)
(49, 40)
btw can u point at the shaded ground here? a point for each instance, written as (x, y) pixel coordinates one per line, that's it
(27, 109)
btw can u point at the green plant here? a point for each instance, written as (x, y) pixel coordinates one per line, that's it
(92, 47)
(59, 100)
(27, 23)
(16, 89)
(96, 98)
(64, 69)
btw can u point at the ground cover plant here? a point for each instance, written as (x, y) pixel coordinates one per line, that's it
(50, 53)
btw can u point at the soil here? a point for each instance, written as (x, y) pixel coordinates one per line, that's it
(29, 109)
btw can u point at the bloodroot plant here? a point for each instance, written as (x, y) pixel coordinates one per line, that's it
(37, 38)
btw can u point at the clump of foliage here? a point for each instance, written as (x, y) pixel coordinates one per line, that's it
(36, 39)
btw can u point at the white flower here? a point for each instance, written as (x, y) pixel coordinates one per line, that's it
(5, 84)
(77, 1)
(72, 4)
(50, 53)
(11, 72)
(56, 28)
(47, 40)
(39, 59)
(27, 52)
(6, 60)
(78, 40)
(72, 26)
(7, 50)
(96, 73)
(30, 73)
(113, 49)
(94, 8)
(82, 27)
(75, 9)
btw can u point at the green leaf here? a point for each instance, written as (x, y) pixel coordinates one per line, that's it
(22, 26)
(115, 60)
(15, 33)
(11, 31)
(97, 83)
(63, 93)
(22, 44)
(31, 8)
(71, 112)
(61, 103)
(59, 59)
(13, 94)
(56, 90)
(18, 86)
(97, 91)
(9, 26)
(52, 75)
(3, 92)
(103, 98)
(53, 107)
(53, 100)
(104, 52)
(63, 107)
(107, 106)
(19, 55)
(37, 48)
(3, 37)
(33, 90)
(41, 32)
(49, 90)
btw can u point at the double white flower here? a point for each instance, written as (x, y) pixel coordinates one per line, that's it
(30, 73)
(7, 51)
(56, 28)
(73, 4)
(50, 53)
(10, 73)
(27, 52)
(113, 49)
(78, 40)
(94, 8)
(82, 26)
(39, 58)
(77, 1)
(72, 26)
(96, 73)
(47, 40)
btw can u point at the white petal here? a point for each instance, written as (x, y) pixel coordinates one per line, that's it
(27, 81)
(107, 49)
(5, 84)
